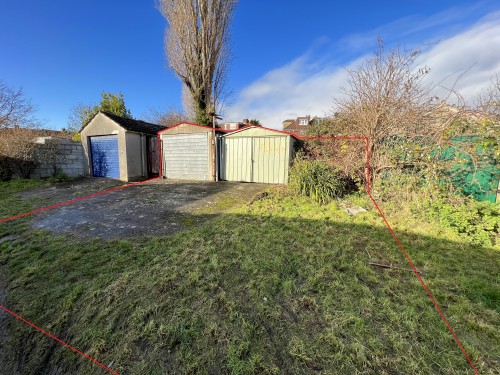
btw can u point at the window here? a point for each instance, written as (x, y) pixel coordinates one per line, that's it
(233, 126)
(303, 121)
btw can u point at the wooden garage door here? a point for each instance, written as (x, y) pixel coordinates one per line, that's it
(104, 155)
(255, 159)
(186, 156)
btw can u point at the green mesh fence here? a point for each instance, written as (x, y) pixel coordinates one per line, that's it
(474, 170)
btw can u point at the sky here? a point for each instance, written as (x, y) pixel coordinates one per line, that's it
(289, 56)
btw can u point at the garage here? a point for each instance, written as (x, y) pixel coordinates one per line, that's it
(104, 154)
(187, 152)
(120, 147)
(186, 156)
(256, 154)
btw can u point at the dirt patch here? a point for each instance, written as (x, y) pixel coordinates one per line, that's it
(158, 207)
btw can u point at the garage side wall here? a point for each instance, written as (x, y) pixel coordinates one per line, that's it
(136, 156)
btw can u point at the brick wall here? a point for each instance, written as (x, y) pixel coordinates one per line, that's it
(68, 158)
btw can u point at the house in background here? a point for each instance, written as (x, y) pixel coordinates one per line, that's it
(298, 126)
(234, 125)
(120, 147)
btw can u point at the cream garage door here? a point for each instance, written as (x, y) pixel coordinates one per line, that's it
(186, 156)
(255, 159)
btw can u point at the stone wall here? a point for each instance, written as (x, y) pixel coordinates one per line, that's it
(64, 156)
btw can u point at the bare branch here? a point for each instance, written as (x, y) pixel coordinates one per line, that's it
(197, 46)
(15, 108)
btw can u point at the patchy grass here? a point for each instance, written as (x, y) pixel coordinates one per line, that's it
(283, 286)
(11, 204)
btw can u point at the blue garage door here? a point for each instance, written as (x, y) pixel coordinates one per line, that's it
(105, 161)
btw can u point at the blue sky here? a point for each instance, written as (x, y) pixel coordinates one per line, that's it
(289, 56)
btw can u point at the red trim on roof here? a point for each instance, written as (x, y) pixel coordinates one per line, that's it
(193, 124)
(263, 127)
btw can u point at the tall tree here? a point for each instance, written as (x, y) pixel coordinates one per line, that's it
(81, 114)
(197, 46)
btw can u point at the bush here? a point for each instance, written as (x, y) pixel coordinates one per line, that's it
(401, 187)
(316, 179)
(5, 169)
(478, 222)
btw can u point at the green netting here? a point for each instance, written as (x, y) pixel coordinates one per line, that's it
(474, 170)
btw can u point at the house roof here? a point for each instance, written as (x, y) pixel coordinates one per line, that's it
(294, 126)
(133, 125)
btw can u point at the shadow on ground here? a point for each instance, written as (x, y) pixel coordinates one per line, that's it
(158, 207)
(252, 294)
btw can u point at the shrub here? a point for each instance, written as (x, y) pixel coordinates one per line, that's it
(316, 179)
(478, 222)
(5, 169)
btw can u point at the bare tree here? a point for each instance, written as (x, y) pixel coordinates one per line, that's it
(197, 46)
(19, 146)
(79, 116)
(488, 106)
(386, 96)
(167, 117)
(15, 108)
(488, 101)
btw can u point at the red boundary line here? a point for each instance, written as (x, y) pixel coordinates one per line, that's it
(368, 191)
(407, 257)
(59, 340)
(79, 199)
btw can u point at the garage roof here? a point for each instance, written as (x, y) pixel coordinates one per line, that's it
(246, 128)
(133, 125)
(207, 128)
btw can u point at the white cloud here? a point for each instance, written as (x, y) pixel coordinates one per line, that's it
(467, 61)
(308, 84)
(296, 89)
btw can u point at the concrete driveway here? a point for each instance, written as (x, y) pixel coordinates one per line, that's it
(157, 207)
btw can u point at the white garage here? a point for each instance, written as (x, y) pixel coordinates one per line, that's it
(187, 152)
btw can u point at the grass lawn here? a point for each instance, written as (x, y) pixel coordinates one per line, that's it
(282, 286)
